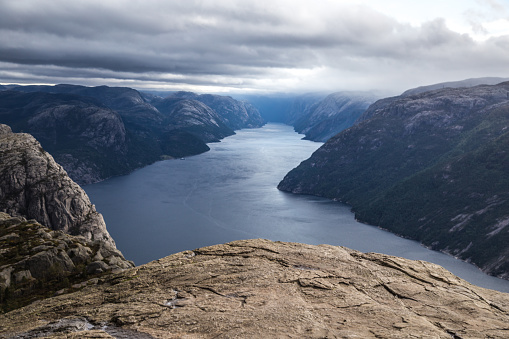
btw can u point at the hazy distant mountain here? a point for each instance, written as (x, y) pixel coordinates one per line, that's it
(338, 111)
(431, 166)
(302, 106)
(456, 84)
(317, 115)
(272, 108)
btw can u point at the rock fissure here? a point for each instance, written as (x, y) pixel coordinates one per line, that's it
(396, 294)
(167, 300)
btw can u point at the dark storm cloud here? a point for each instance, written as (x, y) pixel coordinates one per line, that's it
(228, 43)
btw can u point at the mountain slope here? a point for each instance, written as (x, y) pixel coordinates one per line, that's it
(128, 102)
(456, 84)
(316, 115)
(334, 113)
(99, 132)
(235, 114)
(259, 288)
(194, 117)
(83, 135)
(430, 166)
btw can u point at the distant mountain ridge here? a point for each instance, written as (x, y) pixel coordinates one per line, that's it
(336, 112)
(430, 166)
(317, 115)
(235, 114)
(99, 132)
(456, 84)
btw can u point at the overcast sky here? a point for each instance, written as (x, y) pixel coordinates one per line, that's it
(253, 46)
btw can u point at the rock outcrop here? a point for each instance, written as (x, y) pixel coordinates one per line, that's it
(36, 260)
(33, 185)
(259, 288)
(431, 167)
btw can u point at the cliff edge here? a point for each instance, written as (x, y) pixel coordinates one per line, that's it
(33, 185)
(255, 288)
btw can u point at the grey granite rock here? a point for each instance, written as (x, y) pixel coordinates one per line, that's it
(33, 185)
(264, 289)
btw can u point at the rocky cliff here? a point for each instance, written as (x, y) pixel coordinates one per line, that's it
(431, 166)
(259, 288)
(37, 262)
(33, 185)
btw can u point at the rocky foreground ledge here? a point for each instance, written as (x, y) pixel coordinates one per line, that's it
(255, 288)
(36, 262)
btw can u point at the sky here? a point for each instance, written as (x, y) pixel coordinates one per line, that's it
(258, 47)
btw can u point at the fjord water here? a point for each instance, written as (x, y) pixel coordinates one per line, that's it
(230, 193)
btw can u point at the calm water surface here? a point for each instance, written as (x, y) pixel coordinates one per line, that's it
(230, 193)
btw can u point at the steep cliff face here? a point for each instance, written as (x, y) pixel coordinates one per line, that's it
(37, 262)
(259, 288)
(430, 166)
(336, 112)
(33, 185)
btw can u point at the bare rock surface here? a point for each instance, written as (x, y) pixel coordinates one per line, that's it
(35, 261)
(259, 288)
(33, 185)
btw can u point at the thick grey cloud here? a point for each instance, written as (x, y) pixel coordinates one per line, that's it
(273, 45)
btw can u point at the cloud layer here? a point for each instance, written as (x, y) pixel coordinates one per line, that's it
(238, 45)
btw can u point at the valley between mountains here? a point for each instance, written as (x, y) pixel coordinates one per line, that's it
(430, 164)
